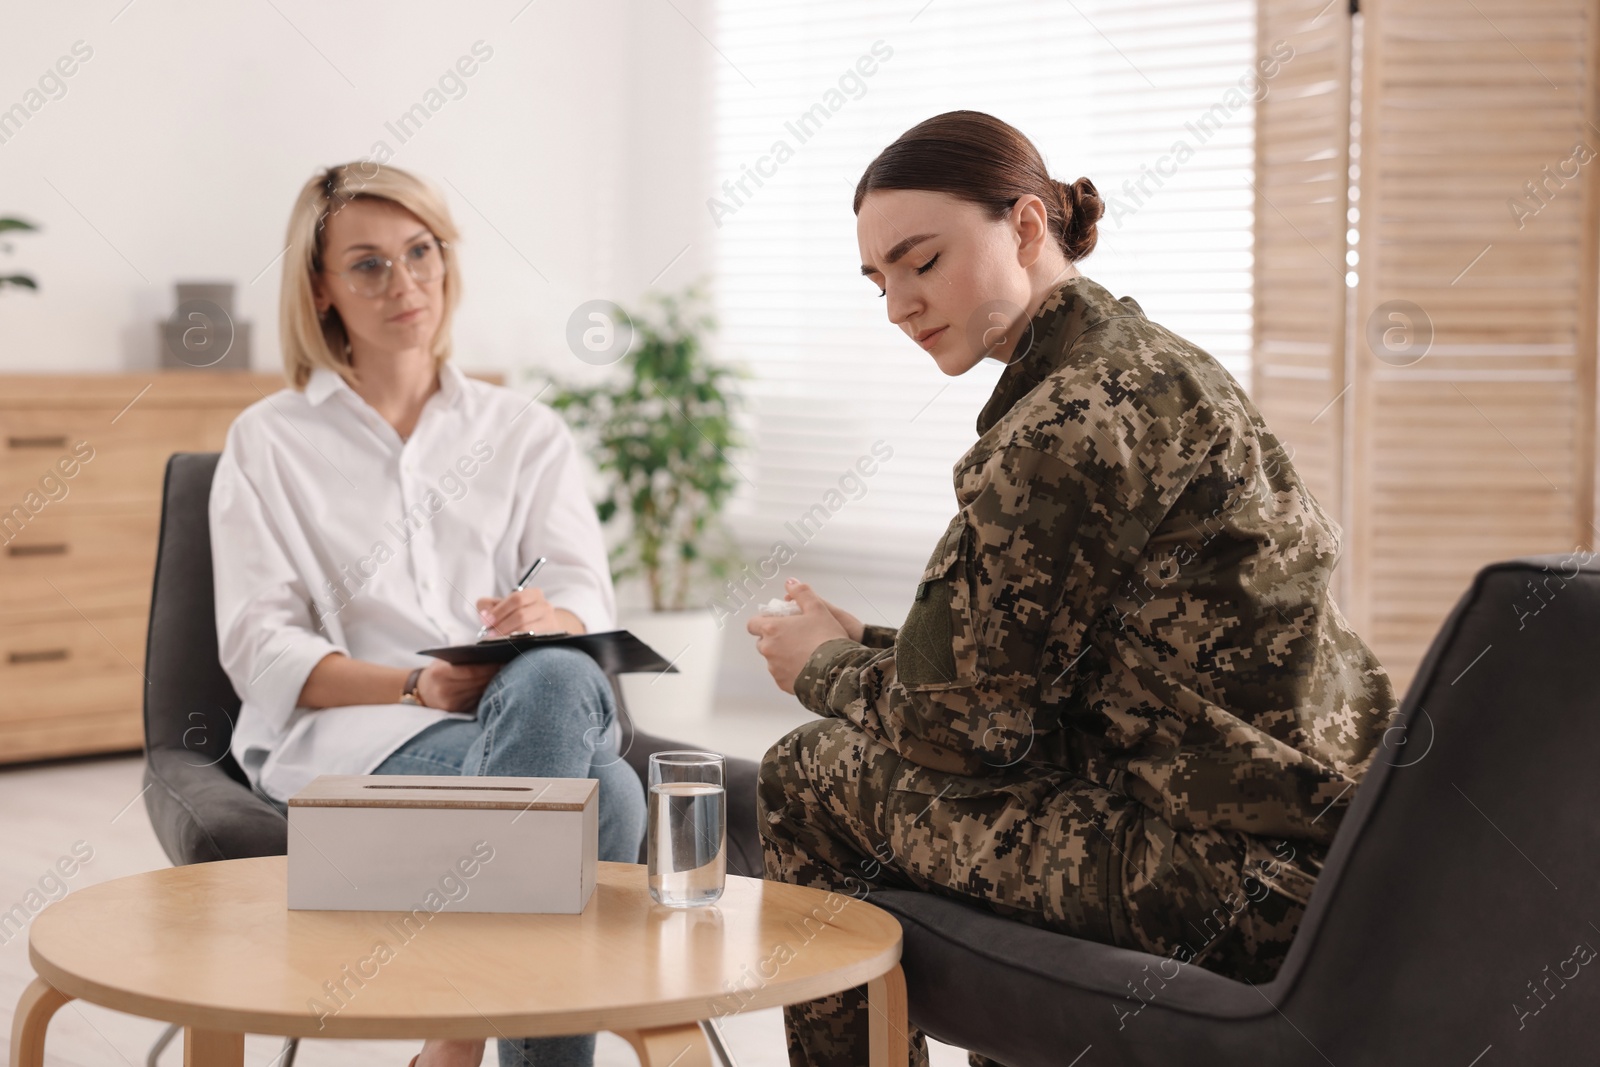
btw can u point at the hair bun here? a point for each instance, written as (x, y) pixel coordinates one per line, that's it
(981, 160)
(1081, 208)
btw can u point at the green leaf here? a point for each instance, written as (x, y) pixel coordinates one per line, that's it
(660, 431)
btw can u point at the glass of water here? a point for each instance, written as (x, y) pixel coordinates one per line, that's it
(687, 854)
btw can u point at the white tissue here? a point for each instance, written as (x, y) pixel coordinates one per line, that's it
(776, 606)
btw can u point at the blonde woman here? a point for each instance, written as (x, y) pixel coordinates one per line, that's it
(385, 503)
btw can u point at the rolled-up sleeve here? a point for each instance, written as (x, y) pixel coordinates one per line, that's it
(564, 527)
(266, 636)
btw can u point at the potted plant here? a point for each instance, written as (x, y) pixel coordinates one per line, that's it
(21, 281)
(660, 433)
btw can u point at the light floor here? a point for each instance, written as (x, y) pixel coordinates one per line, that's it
(46, 808)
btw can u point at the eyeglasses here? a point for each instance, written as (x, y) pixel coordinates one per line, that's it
(370, 276)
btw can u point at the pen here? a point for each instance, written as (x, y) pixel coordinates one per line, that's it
(526, 578)
(530, 573)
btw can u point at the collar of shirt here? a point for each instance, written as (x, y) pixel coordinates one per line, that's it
(1076, 306)
(323, 383)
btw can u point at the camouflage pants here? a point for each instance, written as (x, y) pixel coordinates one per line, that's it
(840, 811)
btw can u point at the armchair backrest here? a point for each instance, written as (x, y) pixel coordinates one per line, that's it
(1463, 876)
(189, 703)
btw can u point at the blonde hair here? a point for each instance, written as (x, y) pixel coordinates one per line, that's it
(310, 340)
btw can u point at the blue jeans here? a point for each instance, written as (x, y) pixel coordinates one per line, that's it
(547, 714)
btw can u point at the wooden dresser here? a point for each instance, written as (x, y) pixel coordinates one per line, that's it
(81, 462)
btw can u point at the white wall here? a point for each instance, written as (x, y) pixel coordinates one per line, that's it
(178, 146)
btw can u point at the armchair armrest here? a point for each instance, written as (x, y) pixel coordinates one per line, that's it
(200, 813)
(1022, 994)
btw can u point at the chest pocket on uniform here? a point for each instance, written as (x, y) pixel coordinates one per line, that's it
(937, 646)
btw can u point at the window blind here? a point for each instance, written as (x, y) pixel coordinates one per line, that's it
(1151, 101)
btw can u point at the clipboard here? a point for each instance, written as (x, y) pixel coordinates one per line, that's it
(617, 651)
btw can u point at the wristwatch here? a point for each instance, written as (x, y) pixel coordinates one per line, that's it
(410, 694)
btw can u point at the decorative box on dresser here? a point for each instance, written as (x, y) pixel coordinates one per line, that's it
(81, 462)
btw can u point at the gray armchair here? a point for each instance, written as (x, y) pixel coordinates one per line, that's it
(1456, 913)
(199, 800)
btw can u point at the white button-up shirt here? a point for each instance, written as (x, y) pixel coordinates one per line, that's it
(331, 534)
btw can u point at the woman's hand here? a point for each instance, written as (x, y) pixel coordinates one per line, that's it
(854, 629)
(526, 610)
(787, 641)
(454, 686)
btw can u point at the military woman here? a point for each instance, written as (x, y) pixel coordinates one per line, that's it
(1123, 705)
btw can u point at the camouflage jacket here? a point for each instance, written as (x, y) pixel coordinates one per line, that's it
(1134, 591)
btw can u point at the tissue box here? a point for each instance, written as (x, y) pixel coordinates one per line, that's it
(390, 842)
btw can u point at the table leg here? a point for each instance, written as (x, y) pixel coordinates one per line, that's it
(886, 1002)
(677, 1046)
(35, 1007)
(212, 1048)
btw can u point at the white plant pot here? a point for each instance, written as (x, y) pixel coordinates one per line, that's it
(692, 642)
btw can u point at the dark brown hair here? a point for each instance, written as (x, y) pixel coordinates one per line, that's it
(978, 158)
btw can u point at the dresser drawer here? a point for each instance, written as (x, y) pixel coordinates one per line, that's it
(77, 556)
(78, 531)
(71, 735)
(64, 667)
(56, 454)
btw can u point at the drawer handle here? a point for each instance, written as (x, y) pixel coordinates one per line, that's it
(43, 655)
(59, 548)
(44, 441)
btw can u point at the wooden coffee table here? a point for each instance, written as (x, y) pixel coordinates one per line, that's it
(214, 948)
